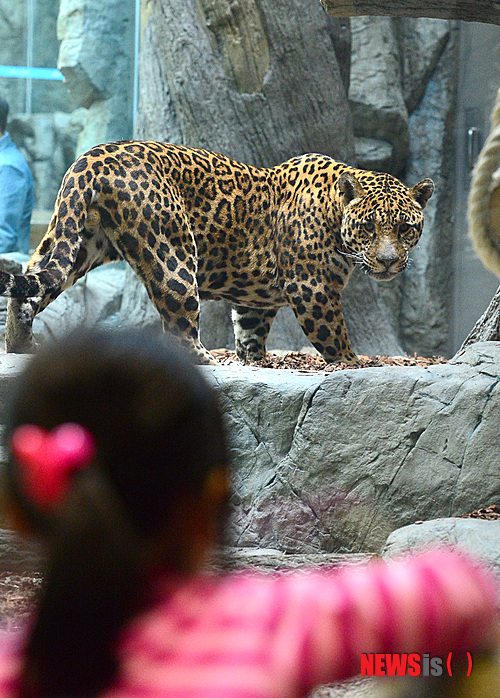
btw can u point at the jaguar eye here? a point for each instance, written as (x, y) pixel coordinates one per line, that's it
(369, 226)
(404, 228)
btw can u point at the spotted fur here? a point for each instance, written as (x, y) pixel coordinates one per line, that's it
(194, 225)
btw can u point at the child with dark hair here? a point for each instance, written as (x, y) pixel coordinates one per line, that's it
(119, 465)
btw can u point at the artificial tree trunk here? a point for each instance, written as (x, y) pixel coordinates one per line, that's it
(467, 10)
(258, 81)
(261, 82)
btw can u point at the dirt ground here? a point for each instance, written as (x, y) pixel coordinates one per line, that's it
(17, 595)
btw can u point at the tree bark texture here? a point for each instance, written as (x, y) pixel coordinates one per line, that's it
(487, 328)
(260, 81)
(467, 10)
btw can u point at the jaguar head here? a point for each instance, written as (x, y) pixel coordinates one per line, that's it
(382, 221)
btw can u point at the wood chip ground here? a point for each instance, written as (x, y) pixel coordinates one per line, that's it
(303, 362)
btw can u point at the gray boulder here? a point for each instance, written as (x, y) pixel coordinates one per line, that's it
(475, 536)
(337, 461)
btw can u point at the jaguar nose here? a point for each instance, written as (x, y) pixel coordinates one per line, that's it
(387, 258)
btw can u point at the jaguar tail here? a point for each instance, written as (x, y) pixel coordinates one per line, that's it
(27, 285)
(55, 256)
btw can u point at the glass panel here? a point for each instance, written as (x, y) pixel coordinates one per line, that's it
(53, 120)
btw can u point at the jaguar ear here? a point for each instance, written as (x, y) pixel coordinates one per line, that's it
(423, 191)
(350, 188)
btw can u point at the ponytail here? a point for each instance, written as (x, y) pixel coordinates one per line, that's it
(95, 560)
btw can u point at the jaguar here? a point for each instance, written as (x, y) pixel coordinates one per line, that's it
(196, 225)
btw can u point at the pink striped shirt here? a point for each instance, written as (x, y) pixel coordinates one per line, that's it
(251, 635)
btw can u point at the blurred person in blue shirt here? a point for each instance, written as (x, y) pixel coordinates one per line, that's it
(17, 196)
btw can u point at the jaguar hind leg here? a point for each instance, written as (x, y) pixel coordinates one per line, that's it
(179, 307)
(251, 328)
(19, 337)
(167, 268)
(87, 253)
(180, 315)
(18, 326)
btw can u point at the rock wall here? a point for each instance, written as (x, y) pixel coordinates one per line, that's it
(96, 56)
(403, 98)
(335, 462)
(478, 537)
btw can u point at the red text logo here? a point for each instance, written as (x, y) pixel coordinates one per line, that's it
(408, 664)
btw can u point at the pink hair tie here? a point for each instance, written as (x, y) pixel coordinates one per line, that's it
(48, 459)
